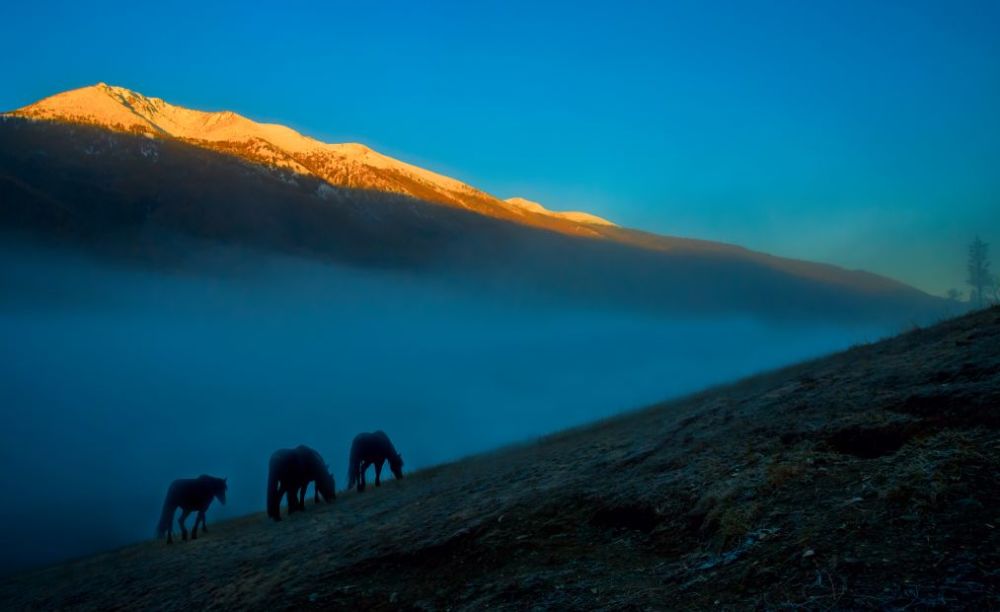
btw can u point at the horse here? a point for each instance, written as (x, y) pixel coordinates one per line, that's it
(289, 473)
(372, 449)
(190, 495)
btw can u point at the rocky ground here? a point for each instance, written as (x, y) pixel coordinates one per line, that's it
(865, 480)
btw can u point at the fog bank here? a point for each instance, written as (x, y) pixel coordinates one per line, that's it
(115, 381)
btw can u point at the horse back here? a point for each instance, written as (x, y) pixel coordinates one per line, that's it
(292, 465)
(374, 445)
(283, 461)
(280, 456)
(187, 492)
(384, 443)
(180, 486)
(311, 464)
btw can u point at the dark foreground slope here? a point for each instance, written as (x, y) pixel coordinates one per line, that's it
(864, 480)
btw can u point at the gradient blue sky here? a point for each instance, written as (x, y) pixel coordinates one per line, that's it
(861, 133)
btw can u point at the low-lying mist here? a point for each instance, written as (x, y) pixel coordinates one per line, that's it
(115, 381)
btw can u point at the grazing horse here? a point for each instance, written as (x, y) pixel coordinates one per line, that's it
(372, 449)
(190, 495)
(289, 474)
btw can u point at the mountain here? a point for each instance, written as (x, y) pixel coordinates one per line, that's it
(125, 174)
(863, 480)
(348, 165)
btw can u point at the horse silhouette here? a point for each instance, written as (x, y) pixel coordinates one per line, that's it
(190, 495)
(289, 473)
(372, 449)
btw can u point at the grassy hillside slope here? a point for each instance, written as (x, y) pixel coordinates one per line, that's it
(863, 480)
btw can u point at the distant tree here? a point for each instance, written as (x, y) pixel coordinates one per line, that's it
(954, 295)
(980, 277)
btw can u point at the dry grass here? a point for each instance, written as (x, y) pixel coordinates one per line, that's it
(866, 480)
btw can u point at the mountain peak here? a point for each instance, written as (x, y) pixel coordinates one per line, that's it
(351, 165)
(575, 216)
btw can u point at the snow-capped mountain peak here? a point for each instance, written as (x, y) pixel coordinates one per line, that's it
(570, 215)
(349, 165)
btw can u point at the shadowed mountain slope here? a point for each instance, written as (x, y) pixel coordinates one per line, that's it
(144, 198)
(864, 480)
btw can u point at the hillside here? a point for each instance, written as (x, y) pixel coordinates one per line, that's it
(148, 199)
(864, 480)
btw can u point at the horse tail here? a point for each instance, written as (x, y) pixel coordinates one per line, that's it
(352, 466)
(273, 501)
(166, 516)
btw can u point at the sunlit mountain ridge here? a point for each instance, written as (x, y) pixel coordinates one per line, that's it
(350, 165)
(114, 170)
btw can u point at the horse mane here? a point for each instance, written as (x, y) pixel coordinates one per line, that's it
(312, 461)
(392, 454)
(215, 484)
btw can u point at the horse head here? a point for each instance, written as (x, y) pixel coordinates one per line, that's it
(396, 465)
(220, 490)
(325, 484)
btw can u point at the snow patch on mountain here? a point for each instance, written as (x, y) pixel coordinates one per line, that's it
(576, 216)
(348, 165)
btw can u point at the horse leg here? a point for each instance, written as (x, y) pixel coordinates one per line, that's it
(180, 521)
(197, 520)
(204, 527)
(302, 497)
(378, 473)
(361, 476)
(277, 504)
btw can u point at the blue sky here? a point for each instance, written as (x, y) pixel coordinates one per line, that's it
(860, 133)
